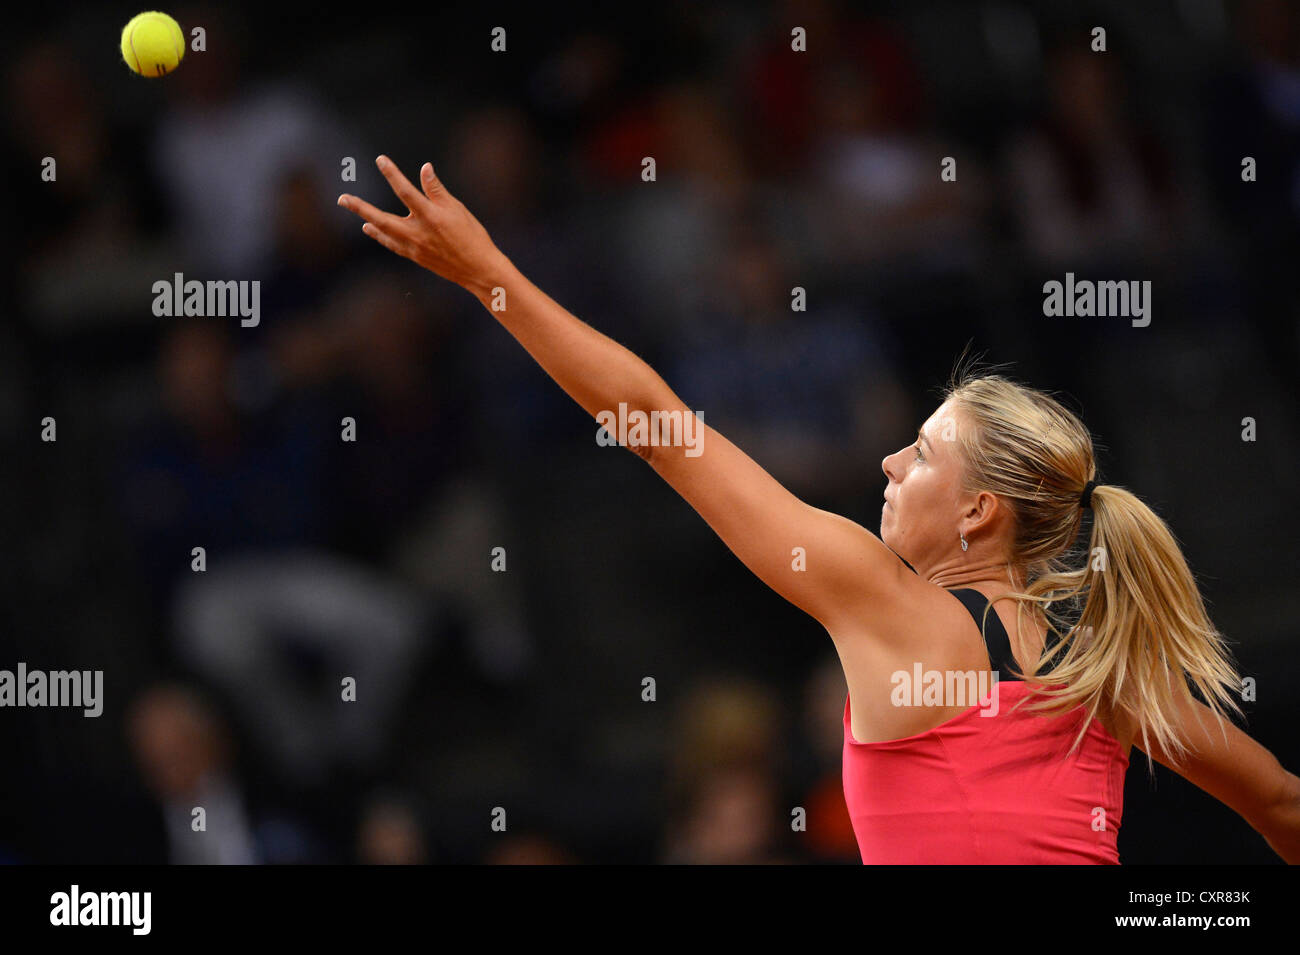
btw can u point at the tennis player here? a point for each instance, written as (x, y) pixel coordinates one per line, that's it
(970, 575)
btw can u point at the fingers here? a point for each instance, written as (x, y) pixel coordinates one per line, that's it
(386, 240)
(385, 220)
(410, 196)
(391, 231)
(433, 187)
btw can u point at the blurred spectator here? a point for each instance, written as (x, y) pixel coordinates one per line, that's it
(723, 722)
(532, 849)
(391, 834)
(784, 92)
(1253, 110)
(308, 259)
(721, 778)
(224, 146)
(406, 495)
(397, 376)
(731, 819)
(812, 395)
(315, 653)
(203, 473)
(667, 227)
(497, 166)
(1088, 185)
(448, 554)
(184, 754)
(878, 196)
(85, 255)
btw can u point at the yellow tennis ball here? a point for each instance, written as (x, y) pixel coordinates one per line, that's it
(152, 44)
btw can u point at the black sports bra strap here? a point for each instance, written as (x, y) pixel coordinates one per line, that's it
(995, 635)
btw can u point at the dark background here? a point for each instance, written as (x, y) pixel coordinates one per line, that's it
(522, 689)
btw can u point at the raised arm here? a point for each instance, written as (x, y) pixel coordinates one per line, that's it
(826, 565)
(1241, 774)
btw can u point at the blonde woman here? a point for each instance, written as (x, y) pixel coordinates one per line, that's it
(983, 508)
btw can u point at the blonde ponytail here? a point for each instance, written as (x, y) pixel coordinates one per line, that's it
(1136, 638)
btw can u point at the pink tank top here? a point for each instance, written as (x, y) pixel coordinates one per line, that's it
(982, 790)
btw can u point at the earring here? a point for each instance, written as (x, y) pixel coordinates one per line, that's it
(964, 545)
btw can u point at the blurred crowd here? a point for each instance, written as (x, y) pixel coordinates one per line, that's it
(520, 687)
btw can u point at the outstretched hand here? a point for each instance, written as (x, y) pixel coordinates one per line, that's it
(438, 232)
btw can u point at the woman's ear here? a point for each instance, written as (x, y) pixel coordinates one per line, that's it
(984, 510)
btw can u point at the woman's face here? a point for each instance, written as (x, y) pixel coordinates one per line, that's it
(920, 520)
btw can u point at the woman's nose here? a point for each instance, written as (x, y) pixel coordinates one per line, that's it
(885, 465)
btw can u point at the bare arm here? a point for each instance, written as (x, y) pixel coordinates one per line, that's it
(844, 567)
(1241, 774)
